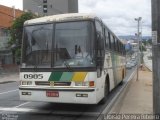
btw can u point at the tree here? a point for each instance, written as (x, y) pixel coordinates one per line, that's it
(150, 41)
(144, 42)
(142, 48)
(16, 32)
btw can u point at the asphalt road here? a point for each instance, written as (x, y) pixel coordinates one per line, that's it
(14, 109)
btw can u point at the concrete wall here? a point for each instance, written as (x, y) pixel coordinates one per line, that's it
(73, 6)
(7, 16)
(5, 53)
(54, 6)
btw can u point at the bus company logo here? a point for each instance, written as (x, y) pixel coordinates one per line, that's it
(52, 83)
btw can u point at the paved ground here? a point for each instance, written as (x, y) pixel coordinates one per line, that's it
(147, 62)
(24, 110)
(9, 73)
(9, 77)
(138, 100)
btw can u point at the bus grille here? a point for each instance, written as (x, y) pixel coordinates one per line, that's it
(49, 83)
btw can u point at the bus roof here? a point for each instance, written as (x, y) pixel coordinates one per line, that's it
(61, 17)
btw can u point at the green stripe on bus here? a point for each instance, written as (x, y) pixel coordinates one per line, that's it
(55, 76)
(66, 76)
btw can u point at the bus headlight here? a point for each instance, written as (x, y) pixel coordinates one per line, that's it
(26, 82)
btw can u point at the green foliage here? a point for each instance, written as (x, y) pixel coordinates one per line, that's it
(16, 32)
(18, 52)
(144, 42)
(150, 41)
(143, 48)
(147, 42)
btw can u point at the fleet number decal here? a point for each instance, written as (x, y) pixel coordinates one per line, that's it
(33, 76)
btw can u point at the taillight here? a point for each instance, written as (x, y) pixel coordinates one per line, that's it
(91, 83)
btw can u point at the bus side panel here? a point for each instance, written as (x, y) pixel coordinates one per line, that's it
(108, 69)
(119, 68)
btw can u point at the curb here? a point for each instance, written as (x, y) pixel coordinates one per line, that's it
(117, 98)
(147, 67)
(5, 82)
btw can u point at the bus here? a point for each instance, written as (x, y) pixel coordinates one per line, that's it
(70, 58)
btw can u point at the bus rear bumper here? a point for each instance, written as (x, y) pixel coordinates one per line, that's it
(65, 95)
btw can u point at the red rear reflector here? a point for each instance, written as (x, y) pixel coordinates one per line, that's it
(91, 83)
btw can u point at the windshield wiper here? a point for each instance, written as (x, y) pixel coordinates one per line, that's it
(68, 66)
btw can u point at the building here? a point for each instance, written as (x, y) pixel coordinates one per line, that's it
(50, 7)
(7, 15)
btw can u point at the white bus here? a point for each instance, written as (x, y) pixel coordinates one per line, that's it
(70, 58)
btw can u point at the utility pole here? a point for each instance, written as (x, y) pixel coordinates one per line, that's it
(14, 12)
(156, 55)
(138, 39)
(141, 44)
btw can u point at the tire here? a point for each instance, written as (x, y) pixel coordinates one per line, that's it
(121, 83)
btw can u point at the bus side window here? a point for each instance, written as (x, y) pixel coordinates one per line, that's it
(121, 48)
(112, 43)
(109, 38)
(99, 28)
(124, 52)
(116, 45)
(106, 39)
(100, 44)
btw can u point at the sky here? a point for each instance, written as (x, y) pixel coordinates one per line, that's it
(118, 15)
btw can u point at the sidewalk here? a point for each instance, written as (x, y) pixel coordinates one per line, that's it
(9, 77)
(147, 62)
(9, 74)
(138, 99)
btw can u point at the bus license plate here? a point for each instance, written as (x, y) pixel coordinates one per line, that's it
(52, 94)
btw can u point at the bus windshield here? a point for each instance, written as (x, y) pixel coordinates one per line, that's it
(59, 45)
(37, 45)
(74, 44)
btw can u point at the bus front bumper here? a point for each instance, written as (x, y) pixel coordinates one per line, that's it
(64, 95)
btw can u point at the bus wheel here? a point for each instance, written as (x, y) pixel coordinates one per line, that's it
(123, 74)
(106, 90)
